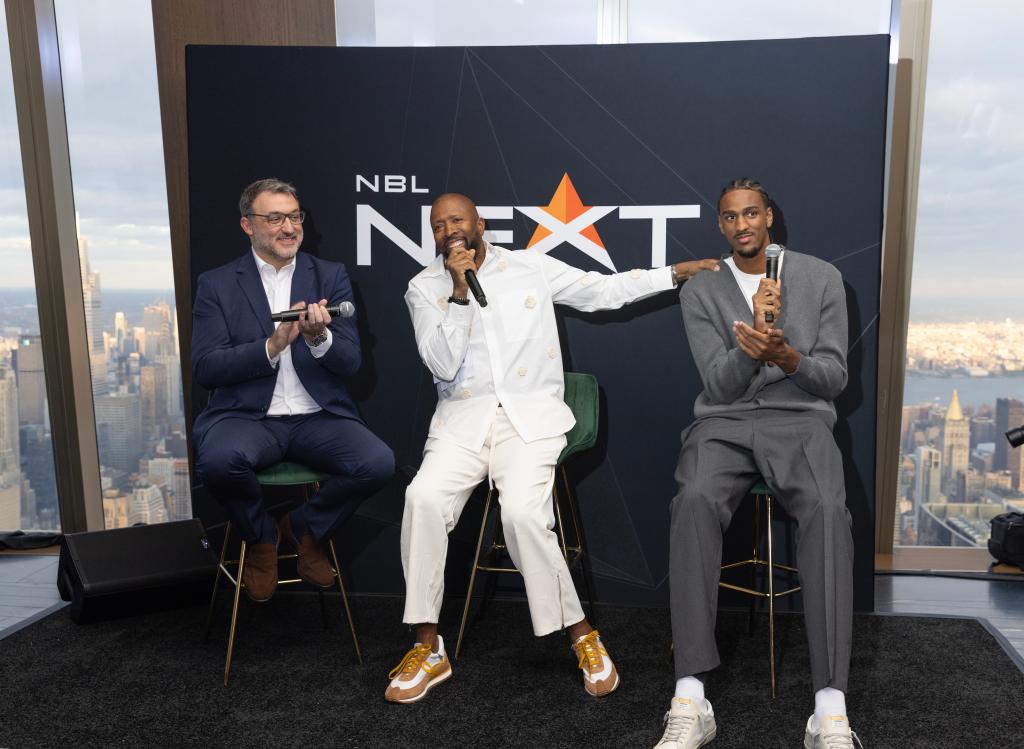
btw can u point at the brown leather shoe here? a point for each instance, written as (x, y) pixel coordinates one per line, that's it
(260, 574)
(312, 564)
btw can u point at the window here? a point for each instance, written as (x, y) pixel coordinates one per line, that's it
(28, 490)
(666, 21)
(437, 23)
(113, 115)
(964, 385)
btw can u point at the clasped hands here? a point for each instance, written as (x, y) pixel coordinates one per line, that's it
(764, 342)
(311, 323)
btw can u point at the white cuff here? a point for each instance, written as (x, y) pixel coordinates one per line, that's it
(272, 359)
(320, 350)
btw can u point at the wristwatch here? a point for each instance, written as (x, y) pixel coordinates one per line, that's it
(320, 339)
(456, 300)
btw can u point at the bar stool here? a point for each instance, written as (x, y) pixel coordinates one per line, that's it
(581, 395)
(280, 474)
(762, 494)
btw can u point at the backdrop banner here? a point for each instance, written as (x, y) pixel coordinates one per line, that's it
(609, 158)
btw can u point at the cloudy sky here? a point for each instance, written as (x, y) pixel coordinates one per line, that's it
(972, 158)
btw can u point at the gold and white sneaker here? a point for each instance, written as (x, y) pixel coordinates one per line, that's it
(599, 675)
(835, 734)
(687, 725)
(420, 671)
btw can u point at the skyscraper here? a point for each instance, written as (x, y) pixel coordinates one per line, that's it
(153, 391)
(956, 446)
(147, 505)
(10, 470)
(927, 479)
(28, 365)
(119, 431)
(1009, 414)
(93, 318)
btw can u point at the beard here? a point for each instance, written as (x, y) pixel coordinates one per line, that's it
(747, 252)
(268, 247)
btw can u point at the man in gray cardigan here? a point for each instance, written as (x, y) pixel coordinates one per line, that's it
(765, 412)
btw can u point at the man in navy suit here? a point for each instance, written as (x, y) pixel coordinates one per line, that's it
(278, 393)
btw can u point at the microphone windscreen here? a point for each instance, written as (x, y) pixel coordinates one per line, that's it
(771, 254)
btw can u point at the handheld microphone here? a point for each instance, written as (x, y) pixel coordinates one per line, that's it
(771, 254)
(343, 309)
(474, 286)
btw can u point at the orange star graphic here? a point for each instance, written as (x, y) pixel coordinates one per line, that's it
(566, 205)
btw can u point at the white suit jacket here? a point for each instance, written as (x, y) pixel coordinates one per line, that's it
(508, 352)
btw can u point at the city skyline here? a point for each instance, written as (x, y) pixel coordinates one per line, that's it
(137, 395)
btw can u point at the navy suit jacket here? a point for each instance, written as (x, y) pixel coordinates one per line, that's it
(231, 323)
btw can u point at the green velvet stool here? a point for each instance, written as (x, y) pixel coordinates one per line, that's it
(279, 474)
(582, 398)
(763, 495)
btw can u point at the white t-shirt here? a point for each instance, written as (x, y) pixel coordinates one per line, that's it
(748, 282)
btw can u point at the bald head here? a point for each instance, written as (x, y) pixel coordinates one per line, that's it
(455, 223)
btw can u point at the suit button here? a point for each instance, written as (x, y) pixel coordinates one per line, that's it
(529, 302)
(522, 371)
(502, 265)
(466, 394)
(552, 352)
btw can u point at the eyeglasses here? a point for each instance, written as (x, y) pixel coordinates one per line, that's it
(276, 219)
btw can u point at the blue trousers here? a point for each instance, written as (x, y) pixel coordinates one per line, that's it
(234, 450)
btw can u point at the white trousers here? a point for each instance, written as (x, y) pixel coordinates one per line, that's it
(524, 475)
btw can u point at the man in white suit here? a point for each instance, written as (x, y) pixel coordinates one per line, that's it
(500, 413)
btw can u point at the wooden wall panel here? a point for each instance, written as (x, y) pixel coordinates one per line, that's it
(177, 23)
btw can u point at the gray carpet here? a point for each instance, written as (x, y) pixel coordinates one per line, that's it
(151, 681)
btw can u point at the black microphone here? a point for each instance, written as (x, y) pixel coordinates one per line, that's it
(343, 309)
(771, 254)
(474, 286)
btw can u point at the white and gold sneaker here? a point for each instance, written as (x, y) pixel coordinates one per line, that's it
(687, 725)
(599, 675)
(834, 734)
(420, 670)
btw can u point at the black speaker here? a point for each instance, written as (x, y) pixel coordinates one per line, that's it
(135, 570)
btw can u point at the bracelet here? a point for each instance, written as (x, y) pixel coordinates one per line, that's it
(456, 300)
(675, 276)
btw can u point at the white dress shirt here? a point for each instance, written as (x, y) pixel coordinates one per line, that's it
(290, 397)
(508, 352)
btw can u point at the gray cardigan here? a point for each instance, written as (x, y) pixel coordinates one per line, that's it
(813, 320)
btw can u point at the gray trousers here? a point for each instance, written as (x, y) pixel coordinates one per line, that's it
(721, 458)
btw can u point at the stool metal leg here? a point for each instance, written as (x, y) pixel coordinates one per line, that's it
(234, 613)
(344, 599)
(754, 559)
(584, 570)
(472, 574)
(771, 593)
(216, 579)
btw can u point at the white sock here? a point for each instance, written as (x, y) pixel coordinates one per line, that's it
(436, 655)
(691, 688)
(828, 701)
